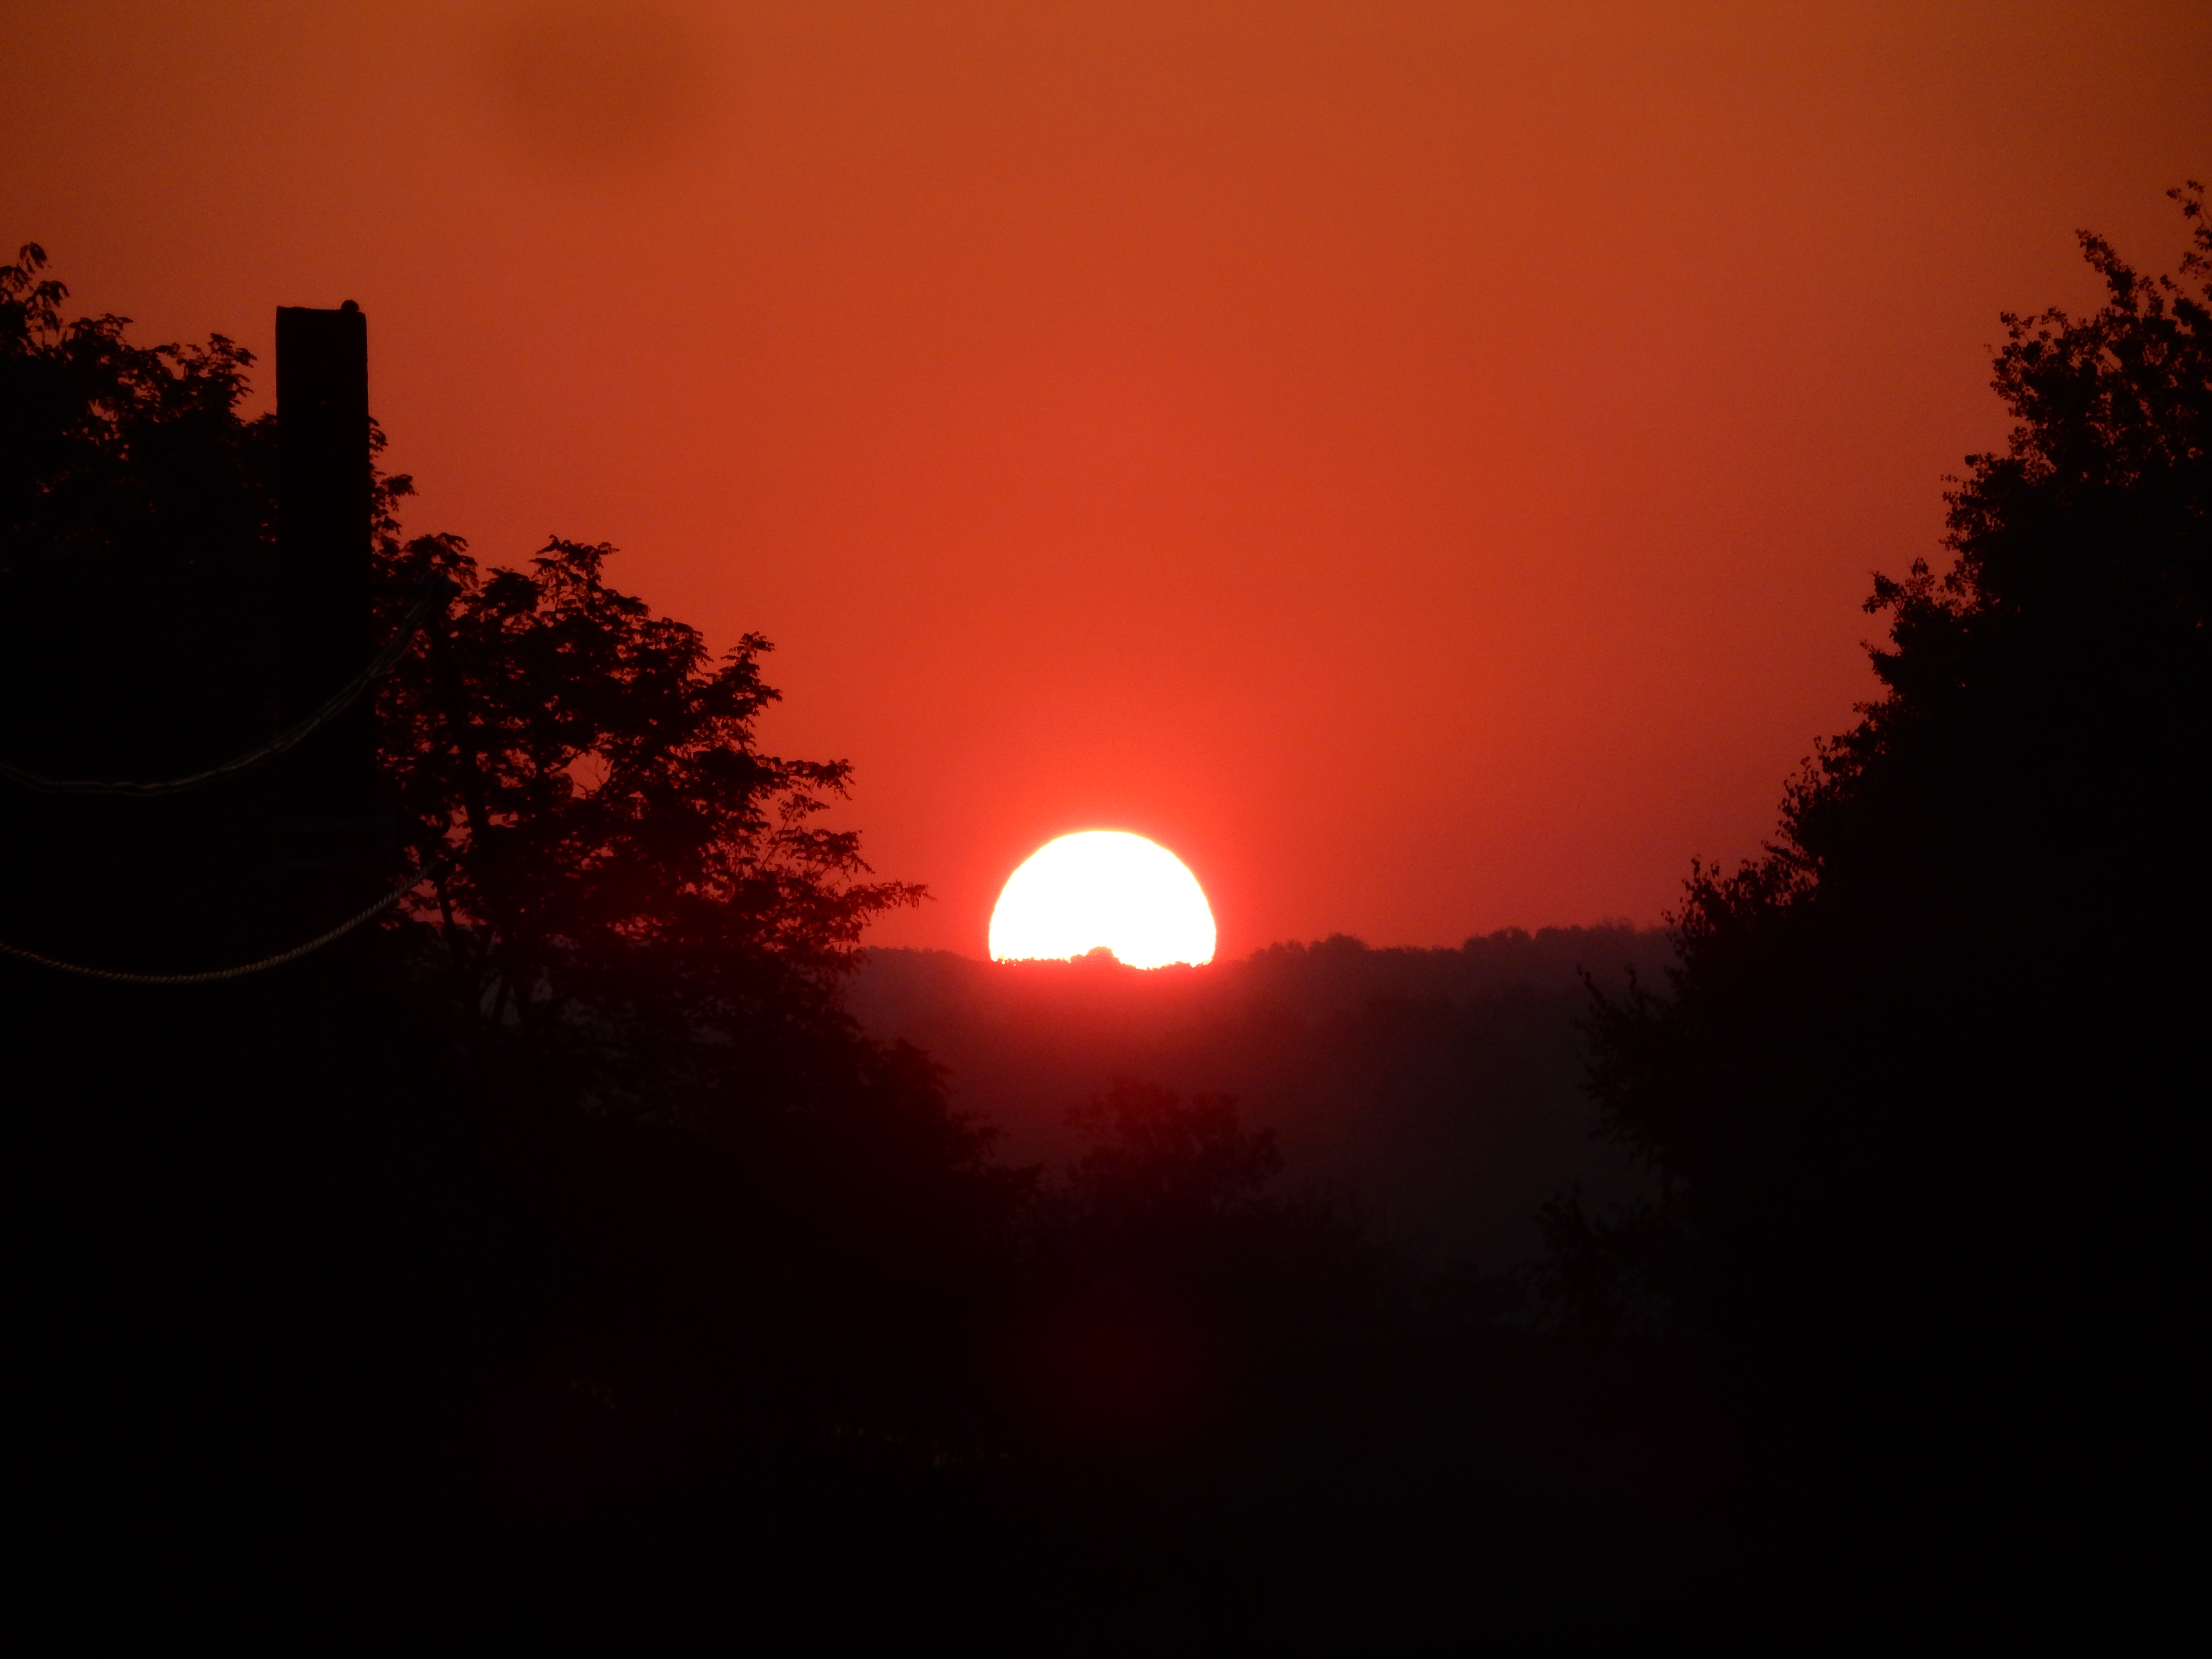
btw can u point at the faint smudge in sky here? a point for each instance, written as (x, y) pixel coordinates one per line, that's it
(587, 87)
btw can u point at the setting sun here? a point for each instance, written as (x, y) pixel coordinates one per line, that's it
(1104, 887)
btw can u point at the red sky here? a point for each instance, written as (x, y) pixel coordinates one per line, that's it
(1420, 461)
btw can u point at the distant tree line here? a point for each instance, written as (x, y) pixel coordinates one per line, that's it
(1440, 1093)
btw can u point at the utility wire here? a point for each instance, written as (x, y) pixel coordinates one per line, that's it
(118, 976)
(436, 592)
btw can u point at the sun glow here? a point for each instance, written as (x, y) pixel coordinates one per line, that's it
(1104, 887)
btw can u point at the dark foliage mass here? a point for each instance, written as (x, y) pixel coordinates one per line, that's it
(615, 1256)
(619, 873)
(131, 455)
(137, 530)
(689, 1180)
(1919, 1085)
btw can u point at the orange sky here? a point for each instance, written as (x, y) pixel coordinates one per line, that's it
(1420, 461)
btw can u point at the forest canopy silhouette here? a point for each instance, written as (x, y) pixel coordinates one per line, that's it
(622, 1246)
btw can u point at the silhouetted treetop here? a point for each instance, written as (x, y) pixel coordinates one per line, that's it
(2069, 629)
(138, 521)
(109, 449)
(623, 867)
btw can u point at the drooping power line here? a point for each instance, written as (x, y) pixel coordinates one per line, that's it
(120, 976)
(436, 591)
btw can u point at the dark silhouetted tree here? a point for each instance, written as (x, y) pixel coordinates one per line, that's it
(136, 523)
(638, 928)
(627, 1149)
(1921, 1083)
(619, 875)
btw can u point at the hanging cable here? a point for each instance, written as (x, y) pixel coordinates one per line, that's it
(436, 592)
(119, 976)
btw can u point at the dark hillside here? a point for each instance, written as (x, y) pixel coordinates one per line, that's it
(1440, 1091)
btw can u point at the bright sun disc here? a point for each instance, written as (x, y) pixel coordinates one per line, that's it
(1104, 887)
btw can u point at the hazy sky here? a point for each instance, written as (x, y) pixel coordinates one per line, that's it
(1420, 461)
